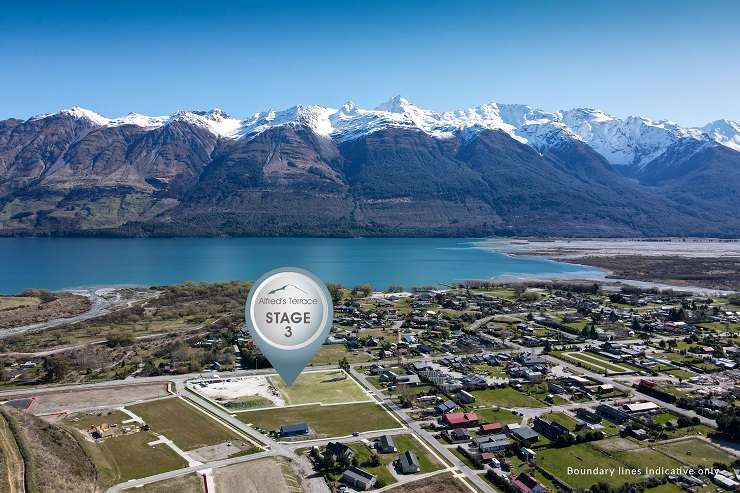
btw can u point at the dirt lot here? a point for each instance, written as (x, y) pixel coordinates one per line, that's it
(192, 483)
(261, 476)
(87, 399)
(441, 483)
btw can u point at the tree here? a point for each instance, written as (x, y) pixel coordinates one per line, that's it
(335, 290)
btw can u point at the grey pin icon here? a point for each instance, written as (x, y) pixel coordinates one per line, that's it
(289, 314)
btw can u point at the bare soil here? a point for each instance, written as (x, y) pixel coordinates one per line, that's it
(52, 402)
(441, 483)
(261, 476)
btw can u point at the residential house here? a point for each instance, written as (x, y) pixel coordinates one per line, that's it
(358, 479)
(408, 463)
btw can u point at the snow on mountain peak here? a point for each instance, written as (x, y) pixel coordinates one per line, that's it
(633, 141)
(726, 132)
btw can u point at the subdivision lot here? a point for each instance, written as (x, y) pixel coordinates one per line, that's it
(505, 397)
(598, 361)
(128, 457)
(51, 402)
(333, 353)
(557, 461)
(182, 423)
(498, 416)
(695, 452)
(191, 483)
(647, 457)
(327, 387)
(260, 476)
(324, 421)
(403, 443)
(440, 483)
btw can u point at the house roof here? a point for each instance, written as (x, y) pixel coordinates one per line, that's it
(525, 433)
(409, 460)
(492, 427)
(299, 427)
(525, 483)
(460, 418)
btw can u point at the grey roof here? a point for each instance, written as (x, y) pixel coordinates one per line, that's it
(525, 433)
(409, 461)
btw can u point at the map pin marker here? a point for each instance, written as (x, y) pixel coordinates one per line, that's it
(289, 313)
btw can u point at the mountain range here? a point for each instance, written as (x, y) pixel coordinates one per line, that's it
(394, 170)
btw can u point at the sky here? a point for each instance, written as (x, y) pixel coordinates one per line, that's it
(676, 60)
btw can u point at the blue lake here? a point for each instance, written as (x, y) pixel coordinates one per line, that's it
(56, 263)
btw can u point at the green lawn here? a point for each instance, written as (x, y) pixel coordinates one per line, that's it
(720, 327)
(330, 354)
(324, 421)
(505, 397)
(126, 457)
(498, 416)
(562, 419)
(665, 417)
(647, 458)
(557, 461)
(680, 373)
(695, 452)
(665, 488)
(191, 483)
(182, 423)
(327, 387)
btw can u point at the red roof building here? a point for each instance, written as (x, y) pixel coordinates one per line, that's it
(527, 484)
(490, 428)
(460, 420)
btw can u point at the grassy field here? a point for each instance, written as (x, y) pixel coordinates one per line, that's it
(333, 353)
(645, 457)
(192, 483)
(562, 419)
(327, 387)
(128, 457)
(505, 397)
(498, 416)
(695, 452)
(720, 327)
(665, 417)
(680, 373)
(324, 421)
(10, 302)
(557, 461)
(185, 425)
(84, 421)
(403, 443)
(665, 488)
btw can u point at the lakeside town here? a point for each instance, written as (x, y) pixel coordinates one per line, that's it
(479, 386)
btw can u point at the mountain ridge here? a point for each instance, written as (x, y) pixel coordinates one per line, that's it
(394, 170)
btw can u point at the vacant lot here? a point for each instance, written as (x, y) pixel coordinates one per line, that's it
(557, 461)
(324, 421)
(192, 483)
(261, 476)
(331, 355)
(505, 397)
(327, 387)
(185, 425)
(498, 416)
(441, 483)
(562, 419)
(646, 457)
(50, 402)
(695, 452)
(128, 457)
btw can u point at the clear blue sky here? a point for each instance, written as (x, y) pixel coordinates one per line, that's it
(670, 59)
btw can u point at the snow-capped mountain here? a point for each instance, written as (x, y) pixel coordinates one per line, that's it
(396, 169)
(633, 141)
